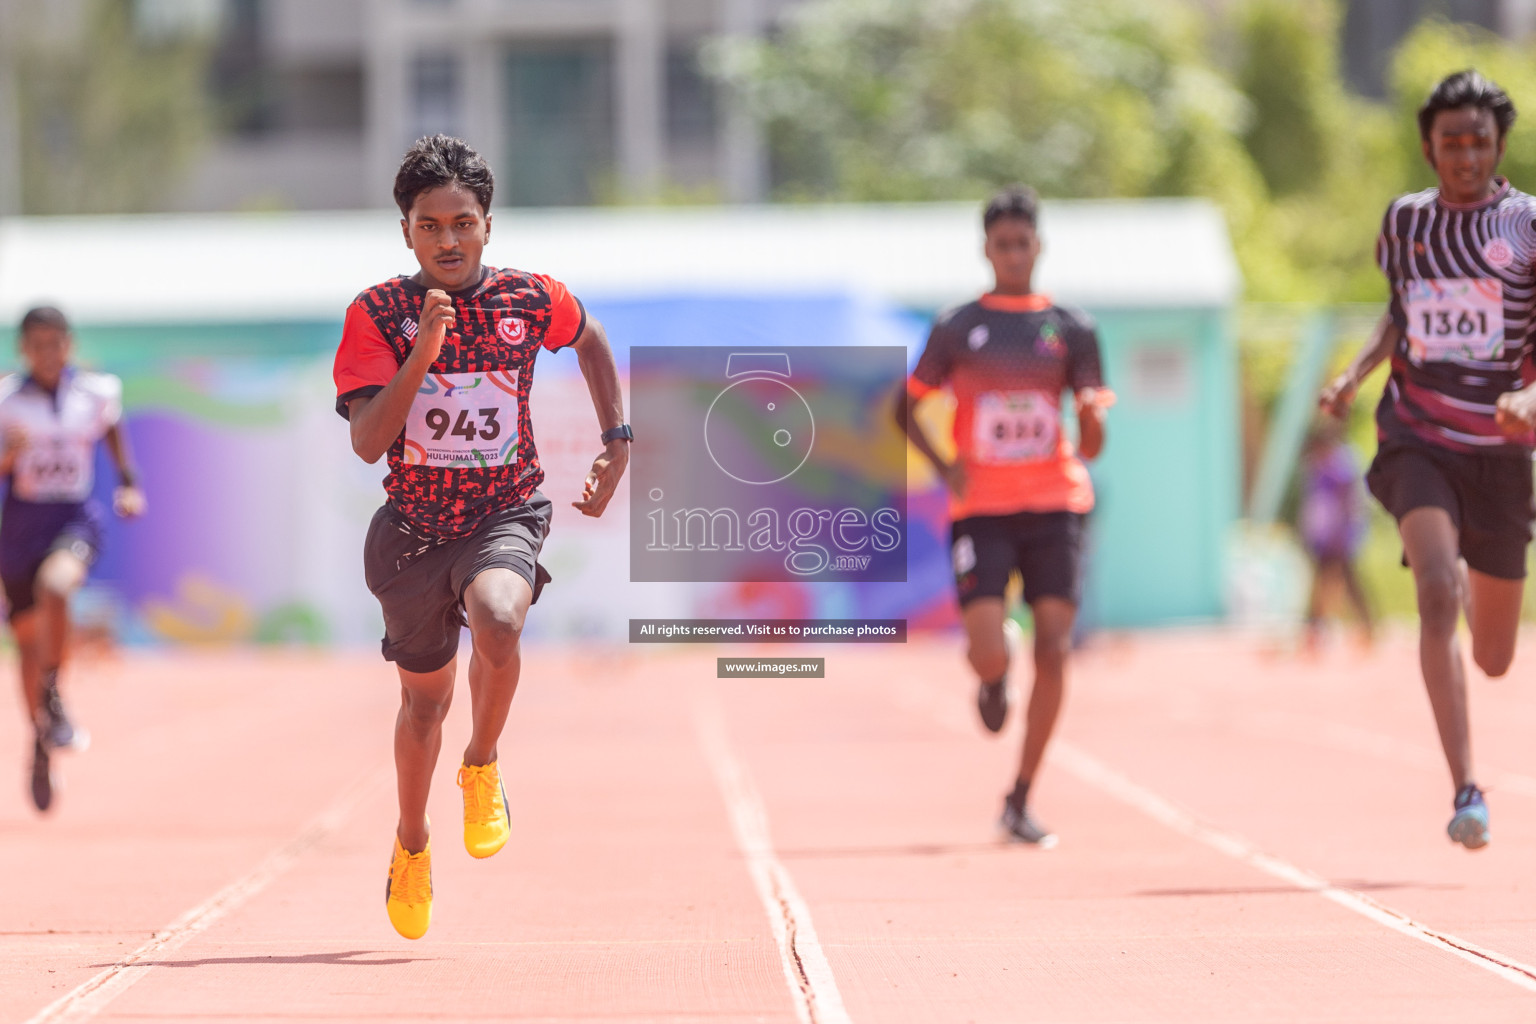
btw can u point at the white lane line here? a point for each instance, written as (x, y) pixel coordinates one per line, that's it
(946, 709)
(92, 997)
(1097, 774)
(806, 970)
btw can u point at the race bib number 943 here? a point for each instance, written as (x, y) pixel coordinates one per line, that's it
(1455, 318)
(1016, 426)
(463, 419)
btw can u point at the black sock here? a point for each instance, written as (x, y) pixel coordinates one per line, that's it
(1018, 796)
(999, 681)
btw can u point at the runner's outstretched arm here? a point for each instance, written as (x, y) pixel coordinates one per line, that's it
(1340, 392)
(1091, 405)
(14, 440)
(952, 473)
(127, 499)
(377, 420)
(595, 358)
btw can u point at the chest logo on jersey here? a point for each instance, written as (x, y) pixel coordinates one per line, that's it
(1499, 253)
(978, 337)
(408, 328)
(1048, 342)
(512, 330)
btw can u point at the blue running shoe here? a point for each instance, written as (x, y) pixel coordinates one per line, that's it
(1469, 826)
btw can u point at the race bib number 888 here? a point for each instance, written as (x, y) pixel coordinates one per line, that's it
(1455, 318)
(463, 419)
(1016, 426)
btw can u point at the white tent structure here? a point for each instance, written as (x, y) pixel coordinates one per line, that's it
(308, 266)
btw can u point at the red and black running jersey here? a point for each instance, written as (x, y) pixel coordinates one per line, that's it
(1464, 297)
(1008, 358)
(467, 448)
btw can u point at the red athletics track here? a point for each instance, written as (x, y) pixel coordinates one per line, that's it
(1244, 838)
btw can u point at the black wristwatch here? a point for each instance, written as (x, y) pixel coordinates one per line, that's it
(618, 433)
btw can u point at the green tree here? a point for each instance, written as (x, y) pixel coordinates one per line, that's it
(1330, 158)
(107, 114)
(938, 99)
(921, 99)
(1290, 75)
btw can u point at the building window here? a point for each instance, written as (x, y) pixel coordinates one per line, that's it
(434, 95)
(690, 98)
(158, 20)
(560, 124)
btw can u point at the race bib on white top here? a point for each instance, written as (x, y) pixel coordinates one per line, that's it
(58, 461)
(1455, 318)
(54, 469)
(463, 419)
(1015, 426)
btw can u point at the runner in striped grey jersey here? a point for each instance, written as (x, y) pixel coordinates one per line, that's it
(1457, 421)
(1459, 272)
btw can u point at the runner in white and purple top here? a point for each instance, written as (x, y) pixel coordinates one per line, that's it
(51, 419)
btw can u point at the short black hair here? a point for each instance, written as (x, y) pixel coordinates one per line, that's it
(1019, 201)
(438, 160)
(1467, 89)
(43, 316)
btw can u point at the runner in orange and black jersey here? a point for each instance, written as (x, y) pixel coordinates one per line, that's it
(1019, 492)
(434, 371)
(1008, 359)
(1455, 423)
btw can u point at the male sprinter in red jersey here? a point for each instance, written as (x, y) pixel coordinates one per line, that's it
(1454, 426)
(434, 370)
(1018, 491)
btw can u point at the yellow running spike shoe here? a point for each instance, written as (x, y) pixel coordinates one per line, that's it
(486, 825)
(408, 897)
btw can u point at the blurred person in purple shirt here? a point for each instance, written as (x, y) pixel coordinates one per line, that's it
(1332, 522)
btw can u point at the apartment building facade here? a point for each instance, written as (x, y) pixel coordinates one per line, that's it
(575, 101)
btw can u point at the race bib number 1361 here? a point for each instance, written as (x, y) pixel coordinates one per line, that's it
(463, 419)
(1455, 318)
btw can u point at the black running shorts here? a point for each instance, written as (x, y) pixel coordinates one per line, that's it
(1487, 496)
(31, 531)
(1046, 548)
(420, 580)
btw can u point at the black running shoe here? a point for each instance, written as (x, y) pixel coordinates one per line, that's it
(992, 702)
(1021, 827)
(54, 725)
(42, 775)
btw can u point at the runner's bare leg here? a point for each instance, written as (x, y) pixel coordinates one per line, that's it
(1493, 617)
(424, 701)
(497, 602)
(1431, 544)
(1053, 644)
(986, 649)
(60, 575)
